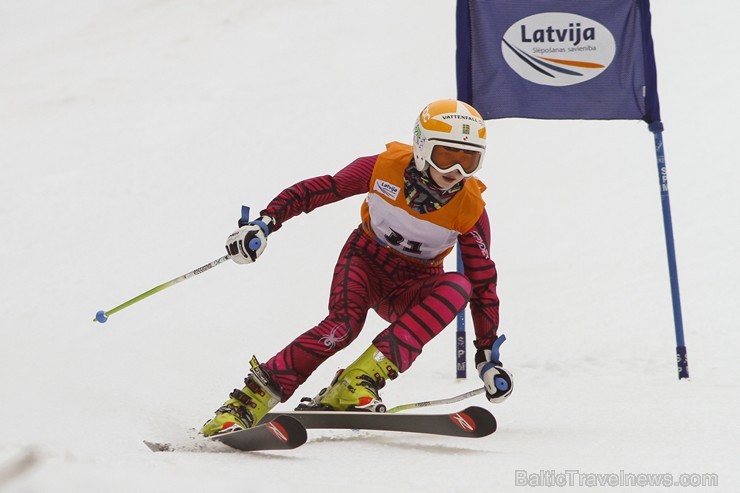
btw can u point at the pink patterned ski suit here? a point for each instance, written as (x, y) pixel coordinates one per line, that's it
(417, 299)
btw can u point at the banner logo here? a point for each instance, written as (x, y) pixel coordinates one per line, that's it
(557, 48)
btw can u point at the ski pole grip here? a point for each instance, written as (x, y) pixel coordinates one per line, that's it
(245, 216)
(496, 348)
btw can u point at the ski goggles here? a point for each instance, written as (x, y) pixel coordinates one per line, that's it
(446, 159)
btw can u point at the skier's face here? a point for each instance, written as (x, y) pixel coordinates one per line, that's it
(445, 181)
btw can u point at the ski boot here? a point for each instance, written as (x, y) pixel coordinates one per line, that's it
(245, 407)
(357, 387)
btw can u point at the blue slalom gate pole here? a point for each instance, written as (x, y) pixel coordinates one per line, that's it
(460, 351)
(683, 364)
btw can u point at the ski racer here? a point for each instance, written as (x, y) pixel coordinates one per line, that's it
(421, 200)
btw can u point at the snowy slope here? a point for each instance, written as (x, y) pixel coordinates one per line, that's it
(132, 131)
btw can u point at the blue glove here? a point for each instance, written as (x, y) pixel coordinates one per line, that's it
(496, 379)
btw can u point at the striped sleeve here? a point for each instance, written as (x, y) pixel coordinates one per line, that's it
(481, 270)
(307, 195)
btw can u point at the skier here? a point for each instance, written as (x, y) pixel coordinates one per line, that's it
(420, 202)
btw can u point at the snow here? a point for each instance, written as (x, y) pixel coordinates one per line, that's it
(132, 131)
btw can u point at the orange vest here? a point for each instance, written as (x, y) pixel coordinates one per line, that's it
(426, 238)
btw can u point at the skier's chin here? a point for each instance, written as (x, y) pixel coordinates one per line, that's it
(445, 181)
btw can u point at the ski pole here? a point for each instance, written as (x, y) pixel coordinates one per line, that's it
(439, 402)
(495, 356)
(102, 315)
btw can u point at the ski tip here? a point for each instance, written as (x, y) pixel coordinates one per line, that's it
(484, 422)
(100, 317)
(158, 447)
(281, 433)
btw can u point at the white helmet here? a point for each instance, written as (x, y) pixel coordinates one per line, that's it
(450, 135)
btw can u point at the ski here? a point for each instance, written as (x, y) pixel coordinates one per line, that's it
(287, 430)
(471, 422)
(281, 433)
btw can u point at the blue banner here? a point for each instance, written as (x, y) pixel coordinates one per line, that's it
(557, 59)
